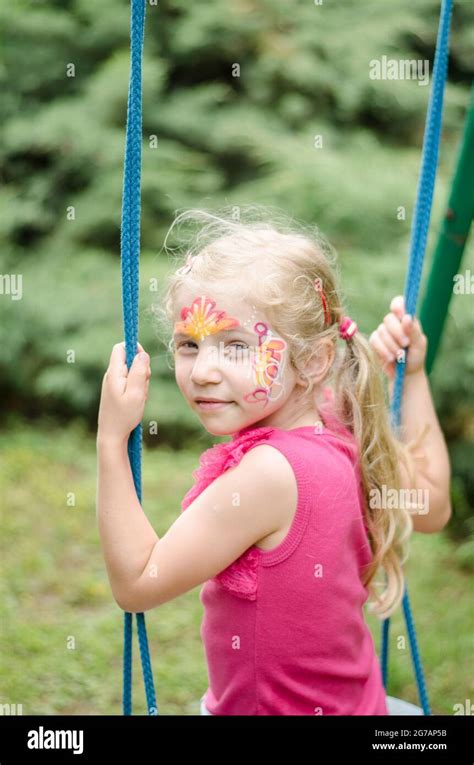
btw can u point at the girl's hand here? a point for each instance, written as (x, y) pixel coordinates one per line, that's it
(123, 396)
(398, 332)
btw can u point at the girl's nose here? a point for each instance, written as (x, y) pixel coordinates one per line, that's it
(206, 367)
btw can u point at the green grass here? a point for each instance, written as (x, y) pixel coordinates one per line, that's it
(61, 635)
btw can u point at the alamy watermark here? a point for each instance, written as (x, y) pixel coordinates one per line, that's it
(400, 69)
(231, 355)
(42, 738)
(416, 501)
(11, 709)
(11, 284)
(463, 284)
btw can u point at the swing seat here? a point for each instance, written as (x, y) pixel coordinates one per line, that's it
(401, 707)
(203, 709)
(394, 706)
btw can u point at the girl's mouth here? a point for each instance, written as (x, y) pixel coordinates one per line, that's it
(211, 405)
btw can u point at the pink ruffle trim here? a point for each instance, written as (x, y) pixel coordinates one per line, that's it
(240, 578)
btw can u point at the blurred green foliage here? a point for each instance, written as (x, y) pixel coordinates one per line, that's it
(221, 139)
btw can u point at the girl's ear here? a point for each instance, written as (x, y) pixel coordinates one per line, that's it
(318, 366)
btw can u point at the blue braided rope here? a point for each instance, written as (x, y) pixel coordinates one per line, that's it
(130, 258)
(384, 650)
(419, 235)
(127, 663)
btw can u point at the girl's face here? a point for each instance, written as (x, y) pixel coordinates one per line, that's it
(224, 351)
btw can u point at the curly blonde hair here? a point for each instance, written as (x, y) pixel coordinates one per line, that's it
(278, 261)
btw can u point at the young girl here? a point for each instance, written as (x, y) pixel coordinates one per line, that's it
(288, 522)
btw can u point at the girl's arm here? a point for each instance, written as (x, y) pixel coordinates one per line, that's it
(126, 535)
(419, 421)
(146, 571)
(433, 468)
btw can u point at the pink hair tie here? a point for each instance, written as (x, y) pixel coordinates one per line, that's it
(347, 328)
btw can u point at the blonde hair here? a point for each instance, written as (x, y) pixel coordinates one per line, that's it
(278, 261)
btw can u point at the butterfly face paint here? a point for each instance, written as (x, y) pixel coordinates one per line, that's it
(267, 366)
(201, 319)
(254, 373)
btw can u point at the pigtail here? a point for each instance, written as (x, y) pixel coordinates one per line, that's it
(361, 403)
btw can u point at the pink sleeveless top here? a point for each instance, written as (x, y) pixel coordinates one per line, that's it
(283, 629)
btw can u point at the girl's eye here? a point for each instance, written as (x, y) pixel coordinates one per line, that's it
(231, 345)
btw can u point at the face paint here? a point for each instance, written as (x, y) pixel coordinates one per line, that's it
(201, 319)
(266, 366)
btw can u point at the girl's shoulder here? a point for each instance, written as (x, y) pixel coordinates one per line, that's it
(223, 456)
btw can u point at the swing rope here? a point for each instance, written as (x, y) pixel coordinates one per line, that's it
(130, 253)
(130, 258)
(418, 238)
